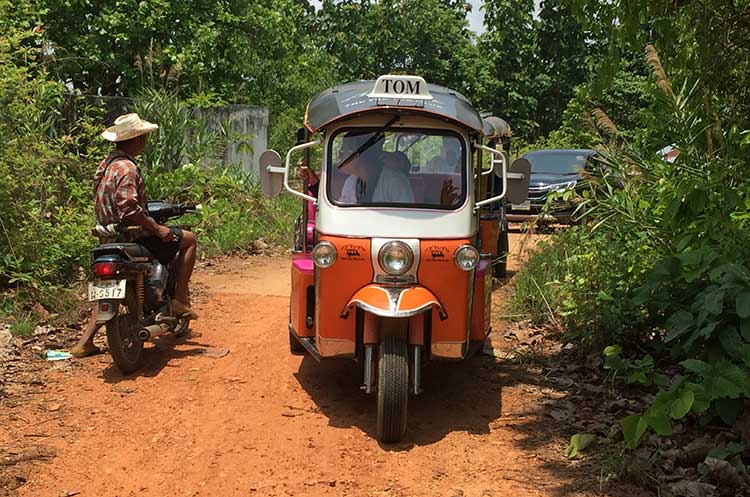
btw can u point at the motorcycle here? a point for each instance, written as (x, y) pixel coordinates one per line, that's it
(133, 290)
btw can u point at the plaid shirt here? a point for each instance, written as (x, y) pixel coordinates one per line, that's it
(119, 190)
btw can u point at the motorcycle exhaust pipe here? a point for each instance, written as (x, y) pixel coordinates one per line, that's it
(153, 331)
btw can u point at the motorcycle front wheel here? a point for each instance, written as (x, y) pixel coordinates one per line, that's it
(124, 345)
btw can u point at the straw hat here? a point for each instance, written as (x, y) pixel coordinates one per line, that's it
(128, 126)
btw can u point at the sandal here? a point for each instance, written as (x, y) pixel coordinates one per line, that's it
(85, 350)
(183, 311)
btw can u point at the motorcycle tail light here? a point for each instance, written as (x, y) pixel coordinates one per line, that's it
(106, 268)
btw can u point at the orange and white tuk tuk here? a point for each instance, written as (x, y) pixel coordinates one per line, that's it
(392, 259)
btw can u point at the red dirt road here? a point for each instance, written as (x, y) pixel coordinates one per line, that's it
(259, 421)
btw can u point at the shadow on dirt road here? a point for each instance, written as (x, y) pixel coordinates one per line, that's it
(165, 353)
(458, 397)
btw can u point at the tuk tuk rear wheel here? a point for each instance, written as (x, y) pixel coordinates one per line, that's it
(500, 268)
(393, 389)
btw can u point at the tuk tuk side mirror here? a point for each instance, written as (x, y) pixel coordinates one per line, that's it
(270, 173)
(287, 166)
(518, 181)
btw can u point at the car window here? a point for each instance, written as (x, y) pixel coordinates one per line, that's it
(557, 163)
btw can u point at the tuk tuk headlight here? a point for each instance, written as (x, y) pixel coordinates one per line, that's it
(324, 254)
(395, 258)
(467, 257)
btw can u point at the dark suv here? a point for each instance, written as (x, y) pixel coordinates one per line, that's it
(551, 170)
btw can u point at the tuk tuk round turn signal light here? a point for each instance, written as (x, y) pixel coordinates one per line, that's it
(467, 257)
(324, 254)
(396, 258)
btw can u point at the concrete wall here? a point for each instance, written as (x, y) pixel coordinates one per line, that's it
(250, 126)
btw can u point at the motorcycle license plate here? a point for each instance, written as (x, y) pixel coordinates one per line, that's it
(107, 290)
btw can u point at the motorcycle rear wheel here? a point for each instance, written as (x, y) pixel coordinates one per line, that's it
(124, 345)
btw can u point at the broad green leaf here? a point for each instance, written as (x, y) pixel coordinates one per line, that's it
(696, 366)
(725, 380)
(715, 302)
(677, 324)
(604, 296)
(702, 402)
(731, 342)
(691, 257)
(578, 443)
(661, 424)
(633, 428)
(612, 350)
(742, 303)
(682, 404)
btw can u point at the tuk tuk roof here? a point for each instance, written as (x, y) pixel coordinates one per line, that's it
(351, 99)
(494, 127)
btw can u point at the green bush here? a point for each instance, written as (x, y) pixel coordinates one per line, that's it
(660, 268)
(48, 155)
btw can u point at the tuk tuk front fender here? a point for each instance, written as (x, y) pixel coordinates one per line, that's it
(394, 302)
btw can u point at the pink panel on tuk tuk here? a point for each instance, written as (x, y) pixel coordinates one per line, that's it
(481, 305)
(310, 228)
(302, 279)
(303, 264)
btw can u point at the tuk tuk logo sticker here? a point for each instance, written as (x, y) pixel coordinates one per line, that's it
(353, 252)
(436, 253)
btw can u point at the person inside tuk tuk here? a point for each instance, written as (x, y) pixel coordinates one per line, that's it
(449, 158)
(375, 176)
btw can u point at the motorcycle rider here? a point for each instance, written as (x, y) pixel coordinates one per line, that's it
(120, 198)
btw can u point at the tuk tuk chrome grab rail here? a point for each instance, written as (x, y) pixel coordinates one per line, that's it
(286, 170)
(506, 176)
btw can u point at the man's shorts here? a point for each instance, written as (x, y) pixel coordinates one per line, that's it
(165, 252)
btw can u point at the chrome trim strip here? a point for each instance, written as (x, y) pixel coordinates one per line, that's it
(393, 313)
(306, 342)
(395, 295)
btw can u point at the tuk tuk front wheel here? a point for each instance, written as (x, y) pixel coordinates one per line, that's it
(393, 389)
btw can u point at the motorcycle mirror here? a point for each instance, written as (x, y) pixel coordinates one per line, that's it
(270, 182)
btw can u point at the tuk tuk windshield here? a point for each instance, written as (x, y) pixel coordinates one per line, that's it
(415, 168)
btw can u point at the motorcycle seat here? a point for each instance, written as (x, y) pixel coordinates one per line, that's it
(133, 251)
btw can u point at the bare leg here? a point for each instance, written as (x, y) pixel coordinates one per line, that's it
(186, 262)
(85, 346)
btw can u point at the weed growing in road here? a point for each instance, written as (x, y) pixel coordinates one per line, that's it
(22, 327)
